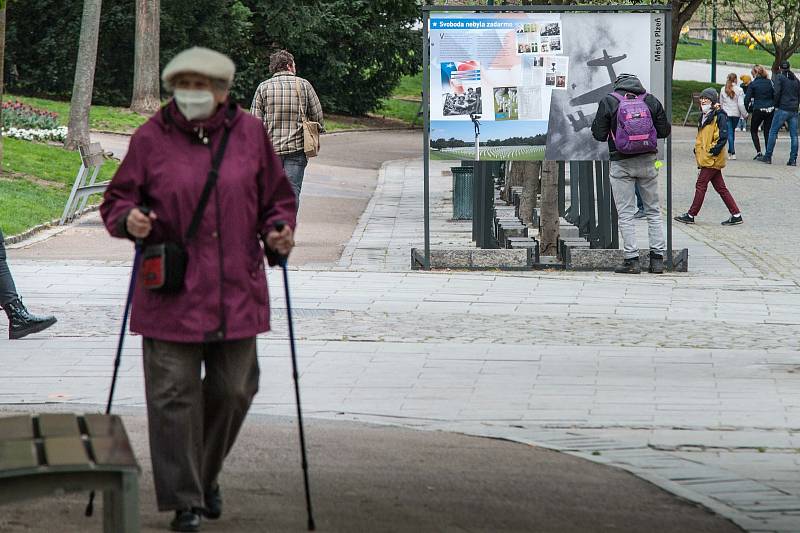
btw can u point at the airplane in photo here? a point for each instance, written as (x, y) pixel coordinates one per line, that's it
(595, 95)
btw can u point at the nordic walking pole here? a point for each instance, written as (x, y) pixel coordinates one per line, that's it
(282, 260)
(118, 358)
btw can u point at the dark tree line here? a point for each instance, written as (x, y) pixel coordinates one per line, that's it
(353, 51)
(452, 142)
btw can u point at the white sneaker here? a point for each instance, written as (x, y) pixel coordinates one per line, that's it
(732, 157)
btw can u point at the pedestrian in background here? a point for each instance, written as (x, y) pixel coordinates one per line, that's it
(711, 138)
(280, 104)
(787, 103)
(199, 343)
(20, 321)
(759, 100)
(746, 79)
(731, 100)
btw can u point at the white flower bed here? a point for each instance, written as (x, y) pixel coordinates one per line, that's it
(57, 134)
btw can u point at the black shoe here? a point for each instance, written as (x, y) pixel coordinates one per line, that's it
(22, 323)
(213, 501)
(656, 263)
(758, 156)
(791, 164)
(186, 520)
(629, 266)
(686, 218)
(639, 214)
(767, 160)
(734, 220)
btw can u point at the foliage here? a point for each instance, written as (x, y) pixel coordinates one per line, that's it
(57, 134)
(105, 118)
(782, 36)
(35, 183)
(690, 49)
(353, 51)
(20, 115)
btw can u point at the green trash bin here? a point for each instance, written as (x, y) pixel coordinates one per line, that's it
(462, 193)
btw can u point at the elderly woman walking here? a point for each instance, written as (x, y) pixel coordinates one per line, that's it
(208, 311)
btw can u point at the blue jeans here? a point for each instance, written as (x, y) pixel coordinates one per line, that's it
(295, 167)
(732, 123)
(778, 120)
(8, 292)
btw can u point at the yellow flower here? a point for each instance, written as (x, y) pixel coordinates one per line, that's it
(752, 46)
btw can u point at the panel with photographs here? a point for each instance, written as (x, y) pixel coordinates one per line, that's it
(461, 88)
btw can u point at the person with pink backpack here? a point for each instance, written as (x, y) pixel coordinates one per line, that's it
(631, 120)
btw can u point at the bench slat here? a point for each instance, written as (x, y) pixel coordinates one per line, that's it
(16, 427)
(59, 425)
(109, 440)
(61, 451)
(15, 454)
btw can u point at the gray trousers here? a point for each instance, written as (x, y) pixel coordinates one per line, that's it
(194, 422)
(625, 175)
(8, 292)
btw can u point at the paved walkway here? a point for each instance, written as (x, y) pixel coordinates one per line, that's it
(688, 380)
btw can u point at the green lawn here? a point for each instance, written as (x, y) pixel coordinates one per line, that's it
(35, 182)
(682, 96)
(734, 53)
(105, 118)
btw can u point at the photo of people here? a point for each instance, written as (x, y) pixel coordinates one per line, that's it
(551, 28)
(528, 39)
(555, 44)
(506, 103)
(561, 82)
(464, 103)
(550, 79)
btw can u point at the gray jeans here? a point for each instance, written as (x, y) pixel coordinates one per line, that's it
(625, 175)
(194, 420)
(8, 292)
(295, 167)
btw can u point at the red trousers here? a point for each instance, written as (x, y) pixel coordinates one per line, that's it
(713, 175)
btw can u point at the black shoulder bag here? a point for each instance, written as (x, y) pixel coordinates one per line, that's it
(164, 265)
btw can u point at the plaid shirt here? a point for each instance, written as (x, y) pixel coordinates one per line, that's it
(277, 105)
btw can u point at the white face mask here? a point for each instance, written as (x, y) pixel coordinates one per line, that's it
(195, 105)
(706, 108)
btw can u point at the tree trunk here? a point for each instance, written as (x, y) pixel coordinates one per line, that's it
(530, 190)
(146, 89)
(515, 177)
(2, 68)
(548, 236)
(84, 76)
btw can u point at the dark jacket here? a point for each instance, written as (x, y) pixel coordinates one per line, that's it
(787, 91)
(225, 290)
(760, 95)
(605, 121)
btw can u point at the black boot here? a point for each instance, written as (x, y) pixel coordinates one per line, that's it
(22, 323)
(656, 263)
(186, 520)
(629, 266)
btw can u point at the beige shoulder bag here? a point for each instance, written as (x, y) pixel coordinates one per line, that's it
(310, 129)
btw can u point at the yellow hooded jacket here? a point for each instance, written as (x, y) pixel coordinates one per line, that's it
(712, 134)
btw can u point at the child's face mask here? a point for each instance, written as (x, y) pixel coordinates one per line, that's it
(705, 106)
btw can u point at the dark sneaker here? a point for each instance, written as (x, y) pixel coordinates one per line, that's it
(186, 520)
(656, 263)
(213, 501)
(629, 266)
(639, 214)
(686, 218)
(758, 157)
(791, 164)
(767, 160)
(734, 220)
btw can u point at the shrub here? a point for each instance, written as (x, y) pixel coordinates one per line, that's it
(22, 116)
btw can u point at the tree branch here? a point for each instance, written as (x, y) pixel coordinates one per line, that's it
(750, 33)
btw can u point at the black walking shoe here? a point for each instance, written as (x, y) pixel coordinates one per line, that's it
(656, 263)
(767, 160)
(758, 156)
(686, 218)
(21, 322)
(791, 163)
(213, 501)
(186, 520)
(629, 266)
(734, 220)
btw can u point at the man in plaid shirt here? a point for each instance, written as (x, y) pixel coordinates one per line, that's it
(277, 104)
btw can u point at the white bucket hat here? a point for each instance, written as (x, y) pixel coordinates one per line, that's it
(199, 60)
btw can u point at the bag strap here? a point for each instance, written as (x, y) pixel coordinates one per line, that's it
(212, 177)
(300, 99)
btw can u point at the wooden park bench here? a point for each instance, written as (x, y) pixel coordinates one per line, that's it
(47, 454)
(92, 158)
